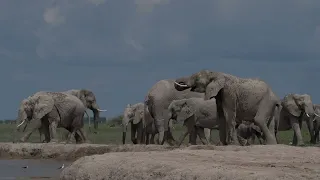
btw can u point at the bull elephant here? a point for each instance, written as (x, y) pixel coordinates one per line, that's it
(237, 99)
(196, 115)
(158, 100)
(248, 132)
(297, 108)
(316, 122)
(52, 110)
(89, 100)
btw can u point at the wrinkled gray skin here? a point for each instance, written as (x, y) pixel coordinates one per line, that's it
(51, 110)
(295, 109)
(316, 122)
(196, 114)
(158, 99)
(237, 99)
(248, 133)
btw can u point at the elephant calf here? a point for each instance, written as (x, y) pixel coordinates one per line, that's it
(248, 131)
(197, 114)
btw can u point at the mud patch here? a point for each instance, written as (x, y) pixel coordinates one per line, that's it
(202, 162)
(67, 152)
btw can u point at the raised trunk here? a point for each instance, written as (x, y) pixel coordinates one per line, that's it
(182, 83)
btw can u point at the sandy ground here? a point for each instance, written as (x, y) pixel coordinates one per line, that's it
(201, 162)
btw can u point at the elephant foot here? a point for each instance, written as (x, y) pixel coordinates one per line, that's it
(54, 141)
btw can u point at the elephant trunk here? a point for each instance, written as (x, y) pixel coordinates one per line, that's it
(311, 115)
(96, 112)
(124, 133)
(181, 84)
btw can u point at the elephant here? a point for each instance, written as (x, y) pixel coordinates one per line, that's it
(133, 114)
(89, 100)
(297, 108)
(52, 110)
(237, 99)
(158, 100)
(197, 114)
(248, 132)
(316, 122)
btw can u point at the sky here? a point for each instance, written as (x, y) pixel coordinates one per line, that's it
(120, 48)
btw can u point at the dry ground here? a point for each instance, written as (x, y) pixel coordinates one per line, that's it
(201, 162)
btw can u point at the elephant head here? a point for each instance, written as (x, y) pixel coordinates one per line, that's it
(181, 110)
(297, 104)
(132, 114)
(89, 100)
(34, 108)
(204, 81)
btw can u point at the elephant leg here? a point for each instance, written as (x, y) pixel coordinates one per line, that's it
(252, 139)
(147, 138)
(207, 133)
(202, 137)
(311, 130)
(36, 124)
(83, 135)
(152, 140)
(222, 122)
(70, 135)
(297, 137)
(133, 134)
(183, 136)
(78, 138)
(230, 115)
(139, 131)
(193, 138)
(53, 127)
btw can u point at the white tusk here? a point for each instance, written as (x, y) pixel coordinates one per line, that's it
(181, 85)
(316, 114)
(101, 110)
(307, 114)
(21, 123)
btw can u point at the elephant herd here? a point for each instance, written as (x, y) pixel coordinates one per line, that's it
(240, 108)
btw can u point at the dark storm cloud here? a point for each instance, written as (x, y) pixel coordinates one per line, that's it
(110, 30)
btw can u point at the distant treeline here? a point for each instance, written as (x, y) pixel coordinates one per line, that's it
(114, 121)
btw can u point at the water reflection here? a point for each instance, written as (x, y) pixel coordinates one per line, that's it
(37, 169)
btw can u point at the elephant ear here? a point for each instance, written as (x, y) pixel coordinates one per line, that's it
(214, 87)
(43, 105)
(289, 103)
(186, 112)
(138, 116)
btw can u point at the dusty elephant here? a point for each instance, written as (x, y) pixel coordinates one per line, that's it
(196, 114)
(237, 99)
(89, 100)
(158, 99)
(248, 132)
(52, 110)
(297, 108)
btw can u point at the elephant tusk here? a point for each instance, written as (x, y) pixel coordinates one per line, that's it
(307, 114)
(316, 114)
(181, 85)
(101, 110)
(21, 123)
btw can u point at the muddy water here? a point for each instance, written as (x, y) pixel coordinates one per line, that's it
(37, 169)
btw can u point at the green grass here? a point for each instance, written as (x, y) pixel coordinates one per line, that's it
(113, 135)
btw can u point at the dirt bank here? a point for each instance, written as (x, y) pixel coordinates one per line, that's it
(68, 152)
(202, 162)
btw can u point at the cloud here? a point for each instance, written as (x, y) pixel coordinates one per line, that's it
(53, 16)
(139, 30)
